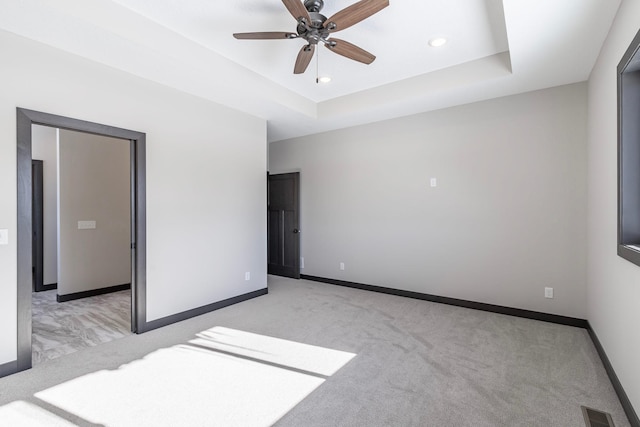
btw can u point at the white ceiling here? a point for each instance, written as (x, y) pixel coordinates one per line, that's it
(495, 48)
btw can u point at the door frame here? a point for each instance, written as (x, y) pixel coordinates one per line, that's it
(25, 119)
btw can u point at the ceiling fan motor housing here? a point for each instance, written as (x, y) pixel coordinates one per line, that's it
(315, 31)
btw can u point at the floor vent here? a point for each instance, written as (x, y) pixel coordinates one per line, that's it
(595, 418)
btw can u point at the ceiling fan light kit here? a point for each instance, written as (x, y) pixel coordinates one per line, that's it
(316, 28)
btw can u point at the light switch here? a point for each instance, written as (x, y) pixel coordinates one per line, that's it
(86, 225)
(4, 237)
(433, 182)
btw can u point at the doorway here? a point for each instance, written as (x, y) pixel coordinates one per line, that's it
(25, 120)
(82, 236)
(283, 225)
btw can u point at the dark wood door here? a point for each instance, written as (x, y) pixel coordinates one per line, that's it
(37, 197)
(283, 225)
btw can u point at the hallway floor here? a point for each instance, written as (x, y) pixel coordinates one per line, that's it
(63, 328)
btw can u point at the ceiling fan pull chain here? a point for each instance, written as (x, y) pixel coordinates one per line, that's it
(317, 66)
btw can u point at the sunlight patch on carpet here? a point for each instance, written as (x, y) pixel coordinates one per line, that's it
(319, 360)
(191, 385)
(25, 414)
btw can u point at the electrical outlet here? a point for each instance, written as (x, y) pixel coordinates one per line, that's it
(247, 275)
(342, 266)
(548, 292)
(4, 237)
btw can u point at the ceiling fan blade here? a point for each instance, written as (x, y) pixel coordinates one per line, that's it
(297, 10)
(304, 58)
(355, 13)
(265, 36)
(350, 51)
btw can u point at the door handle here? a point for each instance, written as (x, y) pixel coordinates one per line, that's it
(296, 231)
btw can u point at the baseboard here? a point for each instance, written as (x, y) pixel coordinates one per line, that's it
(92, 292)
(617, 386)
(165, 321)
(528, 314)
(8, 368)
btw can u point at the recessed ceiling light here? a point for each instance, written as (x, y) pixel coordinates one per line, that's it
(437, 42)
(324, 79)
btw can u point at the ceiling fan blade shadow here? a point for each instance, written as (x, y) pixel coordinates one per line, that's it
(304, 58)
(350, 51)
(297, 10)
(355, 13)
(271, 35)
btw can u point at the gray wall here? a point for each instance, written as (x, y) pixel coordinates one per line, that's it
(206, 177)
(45, 147)
(614, 283)
(506, 219)
(95, 185)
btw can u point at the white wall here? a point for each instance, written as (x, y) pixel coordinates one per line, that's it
(95, 185)
(506, 219)
(206, 177)
(614, 283)
(44, 146)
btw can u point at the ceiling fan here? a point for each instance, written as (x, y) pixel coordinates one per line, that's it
(315, 28)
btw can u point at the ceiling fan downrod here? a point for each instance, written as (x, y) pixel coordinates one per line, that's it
(314, 5)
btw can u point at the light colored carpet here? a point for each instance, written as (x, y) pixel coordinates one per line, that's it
(202, 387)
(23, 414)
(417, 363)
(63, 328)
